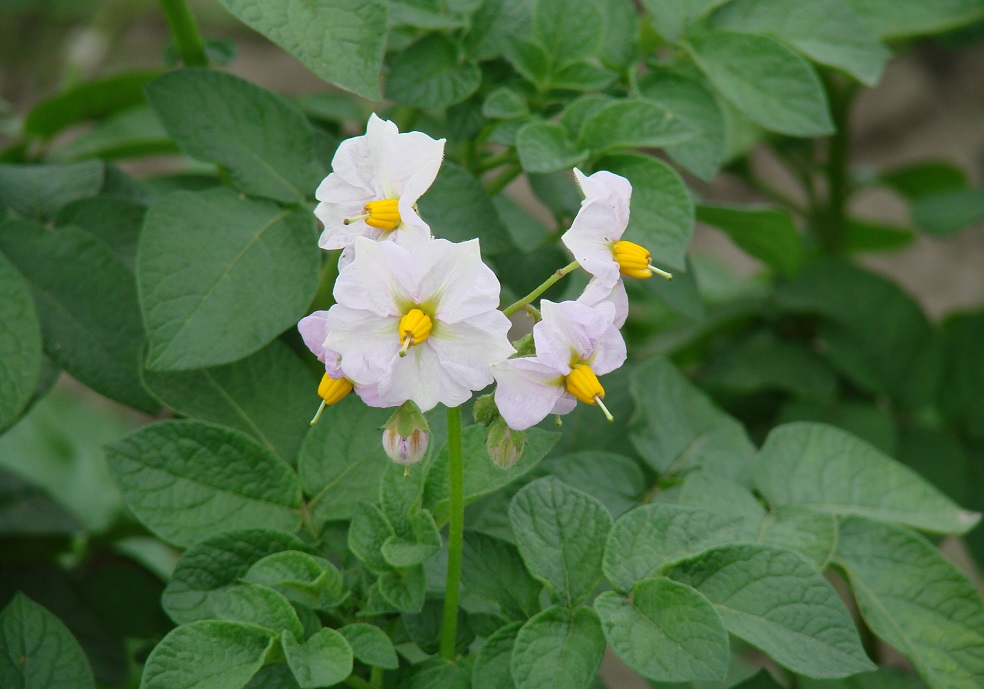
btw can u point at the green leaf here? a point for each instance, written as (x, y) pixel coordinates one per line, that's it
(425, 14)
(544, 147)
(437, 673)
(615, 480)
(662, 217)
(776, 601)
(948, 212)
(924, 178)
(560, 532)
(492, 668)
(873, 331)
(915, 600)
(689, 99)
(678, 427)
(39, 191)
(892, 20)
(493, 570)
(20, 344)
(810, 534)
(771, 84)
(430, 74)
(964, 375)
(634, 123)
(268, 395)
(86, 302)
(763, 362)
(276, 676)
(259, 606)
(869, 235)
(672, 17)
(582, 76)
(667, 632)
(866, 420)
(90, 100)
(558, 649)
(882, 678)
(322, 661)
(458, 208)
(404, 589)
(568, 29)
(828, 31)
(27, 510)
(132, 133)
(342, 460)
(343, 41)
(207, 655)
(304, 579)
(198, 260)
(711, 492)
(263, 140)
(482, 477)
(423, 542)
(113, 219)
(368, 531)
(504, 104)
(650, 538)
(186, 480)
(495, 25)
(213, 565)
(767, 234)
(827, 470)
(370, 645)
(39, 651)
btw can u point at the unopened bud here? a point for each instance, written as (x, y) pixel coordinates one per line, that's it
(505, 446)
(405, 435)
(485, 411)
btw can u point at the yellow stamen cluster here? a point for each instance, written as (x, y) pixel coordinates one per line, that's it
(383, 215)
(584, 385)
(635, 261)
(331, 391)
(415, 327)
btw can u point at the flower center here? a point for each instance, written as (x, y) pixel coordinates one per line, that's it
(583, 384)
(331, 391)
(383, 215)
(415, 327)
(635, 261)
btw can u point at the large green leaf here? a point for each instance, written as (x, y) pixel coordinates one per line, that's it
(770, 83)
(545, 147)
(828, 31)
(615, 480)
(915, 600)
(493, 570)
(948, 212)
(263, 140)
(964, 375)
(113, 219)
(306, 579)
(27, 510)
(482, 476)
(198, 262)
(495, 25)
(558, 649)
(20, 344)
(672, 17)
(40, 191)
(187, 479)
(342, 460)
(662, 217)
(568, 29)
(493, 662)
(775, 600)
(86, 301)
(677, 427)
(892, 19)
(370, 644)
(209, 654)
(323, 660)
(269, 395)
(213, 565)
(767, 234)
(666, 631)
(561, 534)
(650, 538)
(634, 123)
(259, 606)
(827, 470)
(429, 74)
(342, 41)
(38, 650)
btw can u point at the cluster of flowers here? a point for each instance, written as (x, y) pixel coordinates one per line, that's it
(416, 320)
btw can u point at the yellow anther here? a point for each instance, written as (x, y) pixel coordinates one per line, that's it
(583, 384)
(383, 215)
(635, 261)
(415, 327)
(331, 391)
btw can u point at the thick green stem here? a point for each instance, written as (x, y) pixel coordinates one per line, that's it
(500, 182)
(832, 223)
(558, 274)
(184, 31)
(456, 530)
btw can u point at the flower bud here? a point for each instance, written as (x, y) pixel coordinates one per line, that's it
(485, 411)
(405, 435)
(505, 446)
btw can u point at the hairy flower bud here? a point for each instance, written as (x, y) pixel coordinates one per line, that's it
(485, 411)
(406, 434)
(505, 446)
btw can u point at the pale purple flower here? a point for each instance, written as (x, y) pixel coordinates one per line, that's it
(574, 344)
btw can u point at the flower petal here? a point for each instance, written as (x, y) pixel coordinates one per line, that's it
(360, 159)
(367, 343)
(453, 277)
(411, 163)
(475, 342)
(596, 292)
(570, 331)
(526, 391)
(422, 377)
(614, 190)
(590, 239)
(313, 331)
(378, 279)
